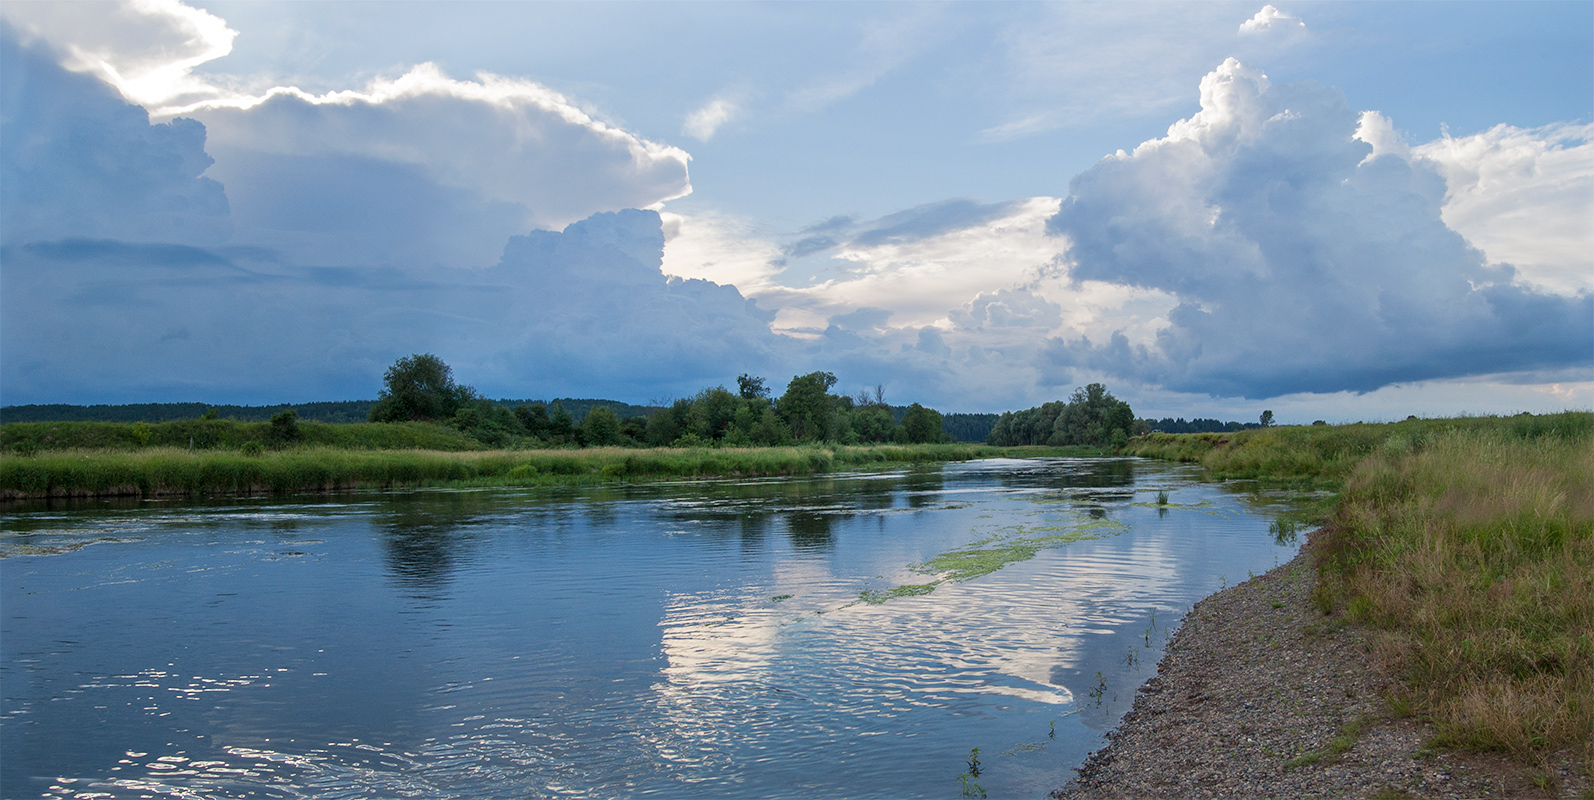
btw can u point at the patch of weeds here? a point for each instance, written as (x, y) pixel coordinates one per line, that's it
(1285, 531)
(1099, 689)
(1276, 604)
(970, 788)
(1131, 659)
(1392, 793)
(1542, 779)
(875, 597)
(1339, 744)
(1162, 498)
(1025, 747)
(779, 597)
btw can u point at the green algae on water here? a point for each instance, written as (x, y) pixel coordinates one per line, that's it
(875, 597)
(985, 556)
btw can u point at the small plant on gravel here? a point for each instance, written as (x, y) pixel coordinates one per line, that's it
(1339, 744)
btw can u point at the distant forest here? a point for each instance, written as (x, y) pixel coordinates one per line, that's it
(334, 411)
(960, 427)
(1197, 425)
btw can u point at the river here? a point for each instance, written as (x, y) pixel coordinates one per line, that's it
(681, 639)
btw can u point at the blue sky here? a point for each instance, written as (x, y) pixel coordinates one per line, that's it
(1334, 210)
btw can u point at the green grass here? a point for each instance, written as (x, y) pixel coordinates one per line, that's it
(1469, 543)
(25, 438)
(1340, 744)
(154, 471)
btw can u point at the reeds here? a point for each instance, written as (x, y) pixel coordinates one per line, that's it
(178, 471)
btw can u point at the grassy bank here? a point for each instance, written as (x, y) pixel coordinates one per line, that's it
(152, 472)
(26, 438)
(1470, 543)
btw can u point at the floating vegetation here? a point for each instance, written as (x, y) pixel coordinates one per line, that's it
(875, 597)
(1028, 747)
(779, 597)
(985, 556)
(1162, 497)
(992, 553)
(56, 547)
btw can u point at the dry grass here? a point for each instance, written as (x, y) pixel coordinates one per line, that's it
(1474, 550)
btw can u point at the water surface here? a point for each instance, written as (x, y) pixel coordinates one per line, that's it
(700, 639)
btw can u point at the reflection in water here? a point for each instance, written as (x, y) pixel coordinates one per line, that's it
(809, 530)
(424, 536)
(656, 639)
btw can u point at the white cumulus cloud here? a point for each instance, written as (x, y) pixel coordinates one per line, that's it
(1525, 196)
(1271, 19)
(704, 122)
(1300, 264)
(145, 48)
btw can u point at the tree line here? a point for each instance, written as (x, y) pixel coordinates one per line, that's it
(422, 388)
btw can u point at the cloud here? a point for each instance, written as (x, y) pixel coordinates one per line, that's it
(1300, 264)
(883, 47)
(421, 169)
(78, 161)
(919, 263)
(1270, 19)
(704, 122)
(580, 312)
(507, 140)
(718, 248)
(1078, 64)
(1524, 197)
(145, 48)
(1008, 308)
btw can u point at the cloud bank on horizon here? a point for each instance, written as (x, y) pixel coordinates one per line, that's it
(164, 236)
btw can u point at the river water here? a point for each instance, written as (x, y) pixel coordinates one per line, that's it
(694, 639)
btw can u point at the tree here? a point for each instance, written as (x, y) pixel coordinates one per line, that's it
(534, 419)
(601, 427)
(750, 387)
(921, 425)
(807, 406)
(285, 426)
(419, 388)
(1267, 419)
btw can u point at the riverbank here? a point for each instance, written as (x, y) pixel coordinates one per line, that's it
(1262, 695)
(1439, 641)
(156, 472)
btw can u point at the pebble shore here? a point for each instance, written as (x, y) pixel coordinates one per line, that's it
(1260, 695)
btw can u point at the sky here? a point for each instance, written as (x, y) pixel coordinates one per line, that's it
(1337, 211)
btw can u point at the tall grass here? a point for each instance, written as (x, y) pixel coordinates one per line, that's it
(173, 471)
(1469, 542)
(225, 434)
(1474, 549)
(1329, 453)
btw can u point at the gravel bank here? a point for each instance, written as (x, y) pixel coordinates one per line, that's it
(1259, 695)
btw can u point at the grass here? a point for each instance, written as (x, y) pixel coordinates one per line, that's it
(1475, 551)
(1469, 543)
(154, 471)
(26, 438)
(1341, 743)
